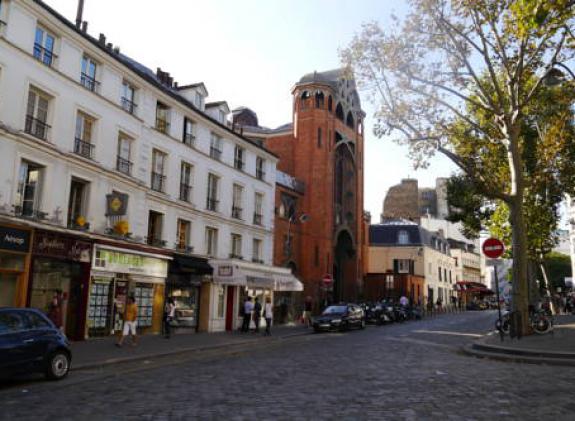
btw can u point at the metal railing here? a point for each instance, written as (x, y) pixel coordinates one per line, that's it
(124, 166)
(257, 219)
(185, 191)
(162, 125)
(212, 204)
(157, 242)
(128, 105)
(236, 256)
(158, 181)
(260, 174)
(239, 164)
(42, 54)
(189, 139)
(215, 153)
(36, 128)
(89, 82)
(236, 212)
(83, 148)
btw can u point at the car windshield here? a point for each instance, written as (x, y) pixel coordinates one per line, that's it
(335, 310)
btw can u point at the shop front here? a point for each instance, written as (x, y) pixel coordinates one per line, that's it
(60, 276)
(14, 263)
(235, 280)
(185, 277)
(117, 274)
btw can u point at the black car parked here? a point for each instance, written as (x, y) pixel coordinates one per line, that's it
(29, 342)
(340, 317)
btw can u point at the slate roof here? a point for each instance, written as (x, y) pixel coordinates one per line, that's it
(330, 77)
(387, 235)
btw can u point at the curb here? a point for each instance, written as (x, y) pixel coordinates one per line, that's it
(481, 349)
(121, 360)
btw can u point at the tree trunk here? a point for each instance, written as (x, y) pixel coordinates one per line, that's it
(520, 284)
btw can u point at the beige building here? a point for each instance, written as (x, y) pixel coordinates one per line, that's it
(409, 201)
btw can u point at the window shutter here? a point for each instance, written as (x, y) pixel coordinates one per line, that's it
(395, 266)
(411, 267)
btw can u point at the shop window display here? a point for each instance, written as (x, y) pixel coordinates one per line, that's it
(99, 307)
(144, 295)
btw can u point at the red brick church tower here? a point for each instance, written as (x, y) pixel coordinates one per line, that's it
(319, 195)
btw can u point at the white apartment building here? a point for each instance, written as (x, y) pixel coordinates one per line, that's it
(120, 182)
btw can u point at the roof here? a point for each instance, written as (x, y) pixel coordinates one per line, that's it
(147, 74)
(387, 234)
(330, 77)
(216, 104)
(267, 130)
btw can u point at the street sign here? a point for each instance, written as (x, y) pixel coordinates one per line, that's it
(493, 248)
(327, 279)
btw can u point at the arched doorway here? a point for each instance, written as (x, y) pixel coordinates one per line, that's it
(344, 268)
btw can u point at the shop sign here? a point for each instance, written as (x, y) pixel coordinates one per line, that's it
(53, 245)
(116, 204)
(226, 270)
(14, 239)
(119, 262)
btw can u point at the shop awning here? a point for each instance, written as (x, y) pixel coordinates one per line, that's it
(190, 264)
(254, 275)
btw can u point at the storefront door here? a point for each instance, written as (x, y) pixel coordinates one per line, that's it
(230, 308)
(8, 285)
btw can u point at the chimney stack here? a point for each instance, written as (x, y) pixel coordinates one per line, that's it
(79, 14)
(102, 40)
(84, 26)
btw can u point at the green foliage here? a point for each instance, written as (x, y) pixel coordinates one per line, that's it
(558, 267)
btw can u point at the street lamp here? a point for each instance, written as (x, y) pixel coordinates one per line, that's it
(302, 218)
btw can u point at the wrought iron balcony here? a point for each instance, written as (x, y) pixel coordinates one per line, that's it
(257, 219)
(158, 182)
(36, 128)
(236, 212)
(215, 153)
(157, 242)
(83, 148)
(260, 174)
(257, 260)
(189, 139)
(162, 125)
(47, 57)
(236, 256)
(212, 204)
(128, 105)
(182, 248)
(89, 82)
(239, 164)
(28, 210)
(124, 166)
(185, 191)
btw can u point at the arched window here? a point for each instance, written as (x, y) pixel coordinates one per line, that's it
(329, 103)
(349, 120)
(403, 237)
(319, 99)
(304, 98)
(339, 112)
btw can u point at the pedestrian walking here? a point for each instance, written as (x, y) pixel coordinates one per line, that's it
(130, 322)
(248, 308)
(169, 316)
(55, 310)
(257, 314)
(307, 308)
(268, 315)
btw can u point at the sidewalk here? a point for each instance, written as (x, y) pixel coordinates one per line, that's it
(95, 353)
(556, 348)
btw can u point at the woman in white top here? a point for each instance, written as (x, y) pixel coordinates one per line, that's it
(268, 315)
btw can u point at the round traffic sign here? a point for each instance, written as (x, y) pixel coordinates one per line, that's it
(493, 248)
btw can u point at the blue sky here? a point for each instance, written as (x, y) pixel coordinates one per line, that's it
(250, 53)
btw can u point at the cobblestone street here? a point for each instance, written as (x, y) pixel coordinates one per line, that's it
(408, 371)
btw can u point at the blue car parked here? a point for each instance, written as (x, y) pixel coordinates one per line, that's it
(29, 342)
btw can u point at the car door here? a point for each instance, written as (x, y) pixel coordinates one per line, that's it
(39, 336)
(356, 316)
(13, 350)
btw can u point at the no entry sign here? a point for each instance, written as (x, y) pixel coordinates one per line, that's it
(493, 248)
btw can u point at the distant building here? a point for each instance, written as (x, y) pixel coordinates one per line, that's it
(406, 200)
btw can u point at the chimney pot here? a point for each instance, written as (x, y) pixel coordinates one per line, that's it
(109, 46)
(102, 39)
(84, 26)
(117, 50)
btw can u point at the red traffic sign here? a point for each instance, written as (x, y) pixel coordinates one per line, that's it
(327, 279)
(493, 248)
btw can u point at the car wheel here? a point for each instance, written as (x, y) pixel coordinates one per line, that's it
(58, 365)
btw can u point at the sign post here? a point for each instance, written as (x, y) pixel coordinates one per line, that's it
(494, 248)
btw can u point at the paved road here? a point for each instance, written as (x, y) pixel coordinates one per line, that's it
(409, 371)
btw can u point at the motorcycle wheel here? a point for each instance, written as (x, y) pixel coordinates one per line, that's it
(542, 326)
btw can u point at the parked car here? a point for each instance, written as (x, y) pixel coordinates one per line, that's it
(340, 317)
(30, 342)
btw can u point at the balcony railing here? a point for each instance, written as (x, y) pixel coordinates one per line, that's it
(236, 256)
(124, 166)
(28, 210)
(36, 128)
(157, 242)
(89, 82)
(83, 148)
(189, 139)
(42, 54)
(239, 164)
(236, 212)
(158, 181)
(185, 191)
(260, 174)
(257, 219)
(128, 105)
(257, 260)
(215, 153)
(182, 248)
(162, 125)
(212, 204)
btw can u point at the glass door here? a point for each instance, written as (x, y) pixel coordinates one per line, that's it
(8, 283)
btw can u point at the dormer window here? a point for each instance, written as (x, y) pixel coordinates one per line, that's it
(403, 237)
(199, 101)
(222, 117)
